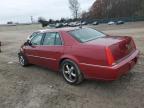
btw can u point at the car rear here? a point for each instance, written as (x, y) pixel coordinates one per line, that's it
(120, 55)
(118, 62)
(121, 49)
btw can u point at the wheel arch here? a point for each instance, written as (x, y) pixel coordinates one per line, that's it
(74, 59)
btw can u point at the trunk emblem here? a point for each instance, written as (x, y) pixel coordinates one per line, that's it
(128, 46)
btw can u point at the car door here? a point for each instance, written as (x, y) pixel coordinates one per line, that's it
(52, 50)
(33, 51)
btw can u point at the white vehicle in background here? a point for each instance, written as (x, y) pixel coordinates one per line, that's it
(59, 25)
(120, 22)
(65, 24)
(95, 23)
(84, 23)
(51, 26)
(111, 23)
(78, 23)
(73, 24)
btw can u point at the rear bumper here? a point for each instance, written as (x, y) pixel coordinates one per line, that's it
(110, 73)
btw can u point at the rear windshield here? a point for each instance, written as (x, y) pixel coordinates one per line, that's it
(86, 34)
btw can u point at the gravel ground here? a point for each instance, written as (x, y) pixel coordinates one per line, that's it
(36, 87)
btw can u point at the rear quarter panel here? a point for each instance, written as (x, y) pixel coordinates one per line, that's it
(89, 54)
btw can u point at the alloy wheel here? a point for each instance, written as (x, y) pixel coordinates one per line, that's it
(21, 59)
(69, 73)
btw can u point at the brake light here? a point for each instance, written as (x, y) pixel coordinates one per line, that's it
(109, 55)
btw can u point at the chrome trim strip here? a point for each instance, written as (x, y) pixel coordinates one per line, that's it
(129, 58)
(42, 57)
(94, 65)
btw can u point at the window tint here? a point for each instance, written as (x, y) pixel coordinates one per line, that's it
(86, 34)
(36, 40)
(52, 39)
(34, 34)
(58, 40)
(49, 39)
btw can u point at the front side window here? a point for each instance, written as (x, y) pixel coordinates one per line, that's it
(52, 39)
(36, 40)
(34, 34)
(86, 34)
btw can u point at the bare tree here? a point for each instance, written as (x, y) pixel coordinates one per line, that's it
(74, 7)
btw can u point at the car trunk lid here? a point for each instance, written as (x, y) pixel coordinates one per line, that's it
(120, 46)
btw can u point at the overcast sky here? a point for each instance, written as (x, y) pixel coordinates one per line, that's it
(21, 10)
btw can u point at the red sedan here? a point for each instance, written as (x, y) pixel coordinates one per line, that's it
(80, 53)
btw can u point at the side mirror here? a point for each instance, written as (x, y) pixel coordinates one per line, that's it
(28, 42)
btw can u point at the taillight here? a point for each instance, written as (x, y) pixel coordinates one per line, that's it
(110, 58)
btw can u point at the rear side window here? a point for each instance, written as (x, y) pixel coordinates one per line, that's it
(86, 34)
(52, 39)
(58, 39)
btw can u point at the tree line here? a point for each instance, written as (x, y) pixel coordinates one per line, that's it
(101, 9)
(115, 9)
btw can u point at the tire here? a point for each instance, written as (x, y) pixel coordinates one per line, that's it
(71, 72)
(22, 60)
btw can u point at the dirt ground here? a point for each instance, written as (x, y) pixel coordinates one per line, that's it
(36, 87)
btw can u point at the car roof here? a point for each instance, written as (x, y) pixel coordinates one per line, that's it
(58, 29)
